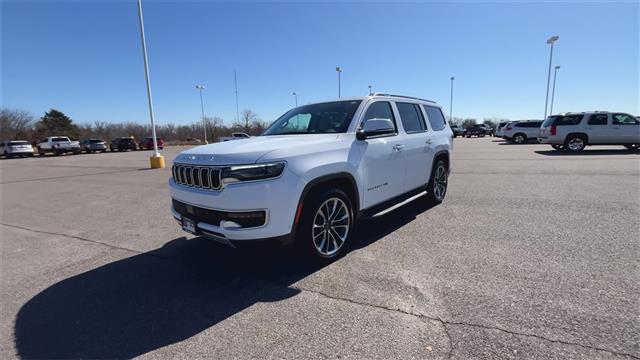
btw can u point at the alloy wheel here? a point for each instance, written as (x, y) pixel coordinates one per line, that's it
(575, 144)
(519, 139)
(331, 226)
(440, 183)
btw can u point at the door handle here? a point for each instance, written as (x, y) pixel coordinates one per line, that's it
(398, 147)
(428, 142)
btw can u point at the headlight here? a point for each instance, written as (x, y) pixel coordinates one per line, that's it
(251, 172)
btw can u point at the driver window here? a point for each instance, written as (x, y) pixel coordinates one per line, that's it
(380, 110)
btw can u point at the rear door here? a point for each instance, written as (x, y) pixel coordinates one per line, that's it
(417, 150)
(598, 128)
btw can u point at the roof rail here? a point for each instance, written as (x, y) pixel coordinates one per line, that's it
(402, 96)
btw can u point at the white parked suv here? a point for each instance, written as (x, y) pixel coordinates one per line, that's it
(14, 148)
(519, 132)
(314, 171)
(574, 131)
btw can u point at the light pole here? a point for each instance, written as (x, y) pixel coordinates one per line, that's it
(296, 97)
(204, 124)
(451, 101)
(339, 71)
(553, 90)
(235, 80)
(157, 160)
(550, 41)
(370, 91)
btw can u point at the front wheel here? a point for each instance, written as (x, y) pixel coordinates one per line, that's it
(437, 187)
(519, 138)
(326, 224)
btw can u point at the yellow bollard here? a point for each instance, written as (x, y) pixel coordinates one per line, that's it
(157, 162)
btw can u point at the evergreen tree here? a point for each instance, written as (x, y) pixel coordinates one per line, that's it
(55, 122)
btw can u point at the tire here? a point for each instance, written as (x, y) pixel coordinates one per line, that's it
(40, 152)
(575, 143)
(557, 147)
(632, 146)
(437, 186)
(317, 239)
(519, 138)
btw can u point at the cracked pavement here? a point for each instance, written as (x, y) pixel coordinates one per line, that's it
(532, 255)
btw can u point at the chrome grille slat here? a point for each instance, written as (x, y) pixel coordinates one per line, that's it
(197, 176)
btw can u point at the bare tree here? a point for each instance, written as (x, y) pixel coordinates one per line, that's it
(247, 118)
(15, 124)
(467, 123)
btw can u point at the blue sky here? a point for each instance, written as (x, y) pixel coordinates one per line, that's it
(84, 58)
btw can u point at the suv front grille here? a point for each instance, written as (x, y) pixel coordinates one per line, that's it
(201, 177)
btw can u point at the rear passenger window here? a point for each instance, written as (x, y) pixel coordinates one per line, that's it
(380, 110)
(436, 120)
(568, 120)
(597, 119)
(411, 117)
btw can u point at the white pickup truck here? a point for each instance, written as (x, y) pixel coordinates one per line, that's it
(58, 145)
(234, 136)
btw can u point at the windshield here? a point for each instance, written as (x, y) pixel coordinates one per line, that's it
(323, 118)
(14, 143)
(95, 141)
(58, 139)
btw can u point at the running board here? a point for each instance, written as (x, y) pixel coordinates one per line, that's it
(390, 209)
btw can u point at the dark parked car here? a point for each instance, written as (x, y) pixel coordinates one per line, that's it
(488, 130)
(122, 144)
(457, 130)
(475, 130)
(147, 143)
(93, 145)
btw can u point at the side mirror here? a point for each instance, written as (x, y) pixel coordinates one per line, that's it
(375, 127)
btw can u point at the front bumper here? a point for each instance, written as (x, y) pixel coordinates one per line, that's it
(278, 198)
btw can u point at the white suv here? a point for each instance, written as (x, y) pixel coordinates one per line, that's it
(519, 132)
(314, 171)
(574, 131)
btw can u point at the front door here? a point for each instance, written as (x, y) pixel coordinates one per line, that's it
(381, 160)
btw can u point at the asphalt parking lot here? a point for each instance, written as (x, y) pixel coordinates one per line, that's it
(533, 254)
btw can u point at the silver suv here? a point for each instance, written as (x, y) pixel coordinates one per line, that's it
(574, 131)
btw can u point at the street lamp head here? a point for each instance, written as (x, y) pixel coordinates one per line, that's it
(557, 67)
(552, 39)
(338, 69)
(200, 87)
(452, 78)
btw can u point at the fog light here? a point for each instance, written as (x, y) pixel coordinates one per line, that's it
(246, 219)
(230, 224)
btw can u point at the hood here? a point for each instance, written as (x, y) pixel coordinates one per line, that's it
(250, 150)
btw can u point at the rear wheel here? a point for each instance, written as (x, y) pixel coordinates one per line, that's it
(632, 146)
(326, 224)
(575, 143)
(437, 187)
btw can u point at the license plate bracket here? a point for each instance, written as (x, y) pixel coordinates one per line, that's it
(189, 225)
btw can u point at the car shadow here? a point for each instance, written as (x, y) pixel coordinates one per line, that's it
(528, 142)
(135, 305)
(589, 152)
